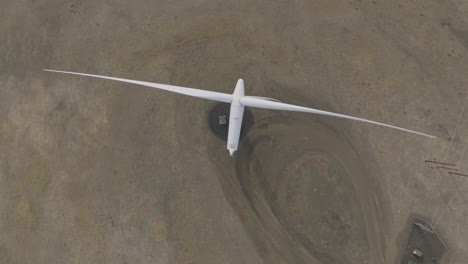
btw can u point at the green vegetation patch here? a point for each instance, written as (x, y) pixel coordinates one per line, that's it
(40, 175)
(24, 211)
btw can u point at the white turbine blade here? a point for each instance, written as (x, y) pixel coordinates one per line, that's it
(215, 96)
(255, 102)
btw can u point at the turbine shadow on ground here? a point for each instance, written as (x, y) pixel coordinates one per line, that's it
(301, 193)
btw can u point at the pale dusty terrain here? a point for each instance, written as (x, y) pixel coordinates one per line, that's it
(94, 171)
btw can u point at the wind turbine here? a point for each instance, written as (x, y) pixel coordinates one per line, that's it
(238, 101)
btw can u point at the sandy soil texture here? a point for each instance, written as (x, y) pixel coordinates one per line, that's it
(95, 171)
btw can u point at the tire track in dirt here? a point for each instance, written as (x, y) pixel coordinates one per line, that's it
(302, 194)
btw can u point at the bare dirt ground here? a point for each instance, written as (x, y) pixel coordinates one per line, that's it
(94, 171)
